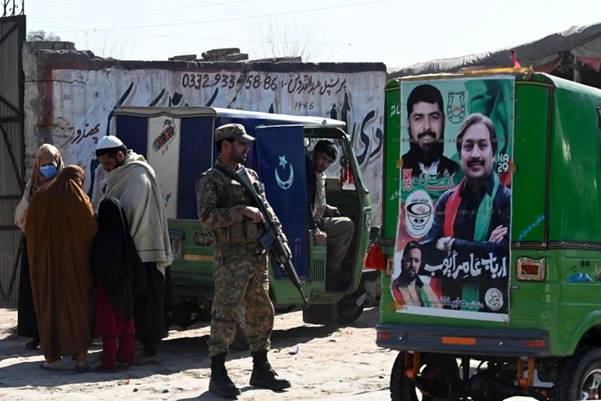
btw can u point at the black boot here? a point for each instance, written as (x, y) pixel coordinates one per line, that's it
(221, 383)
(263, 375)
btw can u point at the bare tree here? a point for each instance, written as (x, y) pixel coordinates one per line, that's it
(107, 44)
(42, 35)
(283, 38)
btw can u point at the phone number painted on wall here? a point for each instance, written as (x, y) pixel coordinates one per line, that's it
(295, 83)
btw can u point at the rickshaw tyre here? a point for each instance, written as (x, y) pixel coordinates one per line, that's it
(575, 367)
(401, 388)
(347, 309)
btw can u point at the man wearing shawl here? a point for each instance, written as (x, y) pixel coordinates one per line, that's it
(327, 222)
(60, 228)
(132, 181)
(48, 164)
(473, 218)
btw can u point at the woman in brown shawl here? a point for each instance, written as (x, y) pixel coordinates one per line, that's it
(48, 164)
(60, 229)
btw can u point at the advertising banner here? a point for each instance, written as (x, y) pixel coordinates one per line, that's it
(453, 238)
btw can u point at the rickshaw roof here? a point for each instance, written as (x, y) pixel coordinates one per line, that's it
(521, 74)
(201, 111)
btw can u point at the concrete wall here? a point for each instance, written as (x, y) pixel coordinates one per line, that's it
(70, 96)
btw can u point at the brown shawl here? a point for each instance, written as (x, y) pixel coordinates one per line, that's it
(60, 229)
(46, 154)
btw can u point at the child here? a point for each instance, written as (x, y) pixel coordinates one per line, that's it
(115, 263)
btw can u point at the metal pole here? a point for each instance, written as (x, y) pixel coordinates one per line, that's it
(577, 67)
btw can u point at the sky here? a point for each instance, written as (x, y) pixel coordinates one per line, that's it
(396, 32)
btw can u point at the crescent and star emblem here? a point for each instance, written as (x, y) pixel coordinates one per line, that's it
(284, 184)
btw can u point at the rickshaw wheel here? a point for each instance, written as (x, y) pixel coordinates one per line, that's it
(582, 376)
(347, 308)
(401, 388)
(438, 374)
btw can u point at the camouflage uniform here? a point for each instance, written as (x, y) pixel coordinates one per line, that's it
(240, 275)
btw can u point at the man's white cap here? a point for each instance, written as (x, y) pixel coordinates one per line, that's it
(109, 142)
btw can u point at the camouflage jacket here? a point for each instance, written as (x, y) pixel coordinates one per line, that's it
(221, 201)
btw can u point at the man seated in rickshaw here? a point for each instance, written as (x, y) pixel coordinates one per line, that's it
(329, 226)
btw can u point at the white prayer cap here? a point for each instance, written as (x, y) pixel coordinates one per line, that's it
(109, 142)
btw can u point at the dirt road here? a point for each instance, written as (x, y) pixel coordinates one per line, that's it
(323, 363)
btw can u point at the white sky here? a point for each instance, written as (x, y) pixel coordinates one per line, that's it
(396, 32)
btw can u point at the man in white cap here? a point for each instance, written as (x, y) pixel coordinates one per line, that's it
(132, 181)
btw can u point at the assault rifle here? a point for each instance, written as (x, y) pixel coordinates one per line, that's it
(271, 241)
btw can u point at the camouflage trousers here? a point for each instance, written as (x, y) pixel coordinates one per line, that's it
(241, 281)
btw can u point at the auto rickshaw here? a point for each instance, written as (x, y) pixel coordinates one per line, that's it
(179, 144)
(476, 313)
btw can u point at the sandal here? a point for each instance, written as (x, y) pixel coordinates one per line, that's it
(53, 366)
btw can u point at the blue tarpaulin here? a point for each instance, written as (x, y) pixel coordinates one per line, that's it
(195, 153)
(280, 155)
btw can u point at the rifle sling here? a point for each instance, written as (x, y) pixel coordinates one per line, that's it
(226, 172)
(231, 175)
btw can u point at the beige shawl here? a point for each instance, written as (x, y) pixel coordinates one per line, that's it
(135, 185)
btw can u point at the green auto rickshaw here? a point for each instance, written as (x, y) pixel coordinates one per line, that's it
(492, 235)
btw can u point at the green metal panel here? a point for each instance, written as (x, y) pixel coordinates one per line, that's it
(575, 167)
(192, 268)
(392, 149)
(530, 162)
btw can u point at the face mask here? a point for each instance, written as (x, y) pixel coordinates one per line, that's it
(48, 171)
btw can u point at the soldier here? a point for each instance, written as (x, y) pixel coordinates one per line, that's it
(241, 277)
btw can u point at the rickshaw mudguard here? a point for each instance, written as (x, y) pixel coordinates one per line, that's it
(569, 343)
(464, 340)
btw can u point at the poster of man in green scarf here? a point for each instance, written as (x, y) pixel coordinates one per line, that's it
(455, 196)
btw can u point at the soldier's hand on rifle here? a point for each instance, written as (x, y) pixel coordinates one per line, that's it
(320, 237)
(253, 214)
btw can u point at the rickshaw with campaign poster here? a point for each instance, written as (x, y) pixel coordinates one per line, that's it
(492, 233)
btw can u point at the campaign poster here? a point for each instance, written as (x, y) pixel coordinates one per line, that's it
(453, 238)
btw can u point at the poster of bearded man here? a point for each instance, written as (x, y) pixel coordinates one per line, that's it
(452, 246)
